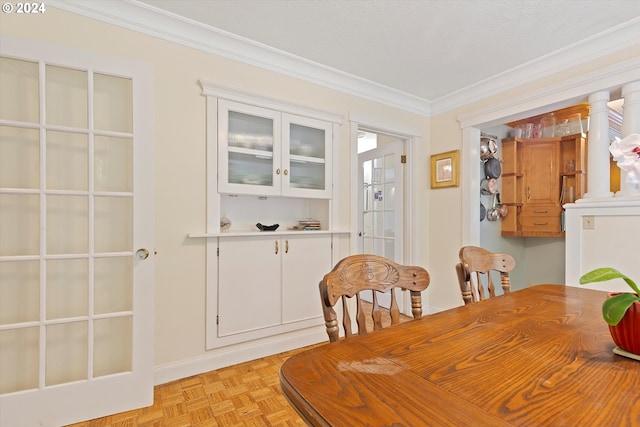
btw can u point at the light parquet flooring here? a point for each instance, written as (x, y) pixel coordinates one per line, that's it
(243, 395)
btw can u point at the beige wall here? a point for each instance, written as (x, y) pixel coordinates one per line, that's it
(180, 143)
(180, 131)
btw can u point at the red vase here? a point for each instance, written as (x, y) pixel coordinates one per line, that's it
(626, 334)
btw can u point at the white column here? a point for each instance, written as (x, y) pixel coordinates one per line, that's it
(630, 124)
(598, 148)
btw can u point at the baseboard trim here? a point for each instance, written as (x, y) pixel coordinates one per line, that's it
(239, 353)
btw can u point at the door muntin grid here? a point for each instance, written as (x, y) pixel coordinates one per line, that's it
(66, 230)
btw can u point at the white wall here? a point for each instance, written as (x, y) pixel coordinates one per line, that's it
(613, 241)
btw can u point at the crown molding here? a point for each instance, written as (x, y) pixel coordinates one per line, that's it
(155, 22)
(618, 38)
(555, 96)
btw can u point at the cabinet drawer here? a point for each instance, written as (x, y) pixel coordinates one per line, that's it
(539, 223)
(541, 211)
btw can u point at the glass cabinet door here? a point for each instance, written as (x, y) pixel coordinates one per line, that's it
(306, 148)
(249, 150)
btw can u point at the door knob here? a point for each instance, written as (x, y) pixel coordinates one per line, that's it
(142, 253)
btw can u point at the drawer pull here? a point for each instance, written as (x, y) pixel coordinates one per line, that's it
(545, 211)
(540, 223)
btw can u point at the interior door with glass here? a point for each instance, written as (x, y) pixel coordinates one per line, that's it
(380, 196)
(76, 240)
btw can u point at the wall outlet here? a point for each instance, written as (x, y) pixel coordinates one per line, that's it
(588, 223)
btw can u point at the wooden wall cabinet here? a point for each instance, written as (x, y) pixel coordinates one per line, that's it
(538, 177)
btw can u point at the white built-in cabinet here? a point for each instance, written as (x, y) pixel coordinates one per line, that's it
(267, 162)
(269, 285)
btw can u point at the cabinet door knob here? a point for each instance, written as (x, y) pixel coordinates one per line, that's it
(286, 171)
(278, 171)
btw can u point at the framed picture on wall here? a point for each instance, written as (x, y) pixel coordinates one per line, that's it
(445, 169)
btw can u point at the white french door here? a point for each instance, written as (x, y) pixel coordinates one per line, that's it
(380, 197)
(76, 235)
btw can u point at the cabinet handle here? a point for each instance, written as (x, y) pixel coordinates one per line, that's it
(540, 223)
(286, 171)
(286, 246)
(528, 192)
(278, 171)
(541, 211)
(277, 247)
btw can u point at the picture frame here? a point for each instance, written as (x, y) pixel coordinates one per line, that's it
(445, 169)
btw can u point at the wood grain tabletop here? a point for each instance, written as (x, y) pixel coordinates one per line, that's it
(541, 356)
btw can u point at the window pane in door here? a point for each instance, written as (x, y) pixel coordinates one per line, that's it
(19, 83)
(19, 157)
(19, 224)
(113, 286)
(113, 346)
(113, 224)
(66, 97)
(19, 359)
(112, 103)
(19, 291)
(67, 293)
(67, 161)
(66, 355)
(67, 224)
(113, 164)
(389, 195)
(366, 172)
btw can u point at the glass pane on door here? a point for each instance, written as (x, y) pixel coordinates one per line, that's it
(19, 157)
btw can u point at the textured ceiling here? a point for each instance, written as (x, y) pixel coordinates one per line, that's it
(425, 48)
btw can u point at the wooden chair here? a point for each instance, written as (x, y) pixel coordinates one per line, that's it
(474, 273)
(357, 273)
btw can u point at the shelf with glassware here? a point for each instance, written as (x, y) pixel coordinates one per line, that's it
(267, 152)
(539, 176)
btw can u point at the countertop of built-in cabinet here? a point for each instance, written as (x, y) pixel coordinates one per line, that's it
(265, 233)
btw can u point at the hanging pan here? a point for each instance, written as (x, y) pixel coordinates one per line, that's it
(503, 210)
(489, 186)
(488, 148)
(493, 214)
(483, 211)
(492, 168)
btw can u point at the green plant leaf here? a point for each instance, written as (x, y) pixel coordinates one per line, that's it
(607, 273)
(614, 308)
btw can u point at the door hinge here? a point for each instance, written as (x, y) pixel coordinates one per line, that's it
(217, 251)
(403, 158)
(217, 320)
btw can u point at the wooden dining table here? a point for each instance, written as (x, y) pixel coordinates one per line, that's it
(541, 356)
